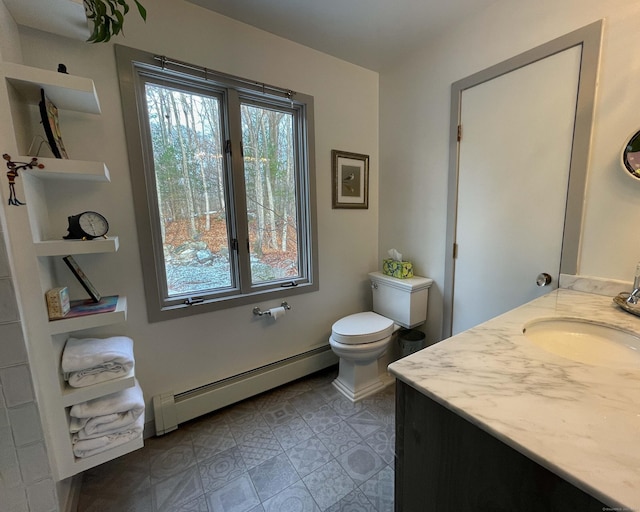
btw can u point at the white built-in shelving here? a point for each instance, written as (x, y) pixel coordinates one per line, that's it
(67, 92)
(80, 465)
(46, 337)
(74, 170)
(64, 247)
(80, 323)
(66, 18)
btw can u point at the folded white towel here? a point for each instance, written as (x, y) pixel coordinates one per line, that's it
(88, 428)
(116, 403)
(89, 447)
(88, 361)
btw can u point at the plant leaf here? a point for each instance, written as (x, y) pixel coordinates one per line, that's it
(124, 4)
(89, 9)
(98, 33)
(108, 17)
(94, 34)
(141, 10)
(120, 18)
(106, 32)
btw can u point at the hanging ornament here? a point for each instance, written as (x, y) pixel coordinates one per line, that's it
(12, 174)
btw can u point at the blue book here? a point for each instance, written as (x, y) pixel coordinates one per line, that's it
(88, 307)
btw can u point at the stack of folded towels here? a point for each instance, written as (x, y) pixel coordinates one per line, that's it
(108, 421)
(88, 361)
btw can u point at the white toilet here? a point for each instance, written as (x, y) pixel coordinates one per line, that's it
(359, 340)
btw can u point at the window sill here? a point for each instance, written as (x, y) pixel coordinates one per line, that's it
(159, 314)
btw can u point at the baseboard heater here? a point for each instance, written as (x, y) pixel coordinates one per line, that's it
(172, 409)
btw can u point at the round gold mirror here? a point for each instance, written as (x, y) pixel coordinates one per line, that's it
(631, 156)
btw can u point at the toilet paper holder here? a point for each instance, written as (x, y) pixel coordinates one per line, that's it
(257, 311)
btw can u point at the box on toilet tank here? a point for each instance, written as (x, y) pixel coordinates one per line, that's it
(399, 269)
(402, 300)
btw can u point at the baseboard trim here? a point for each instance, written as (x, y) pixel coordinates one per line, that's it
(172, 409)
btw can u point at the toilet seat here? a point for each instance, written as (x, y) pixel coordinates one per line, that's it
(361, 328)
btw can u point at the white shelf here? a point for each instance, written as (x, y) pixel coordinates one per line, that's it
(72, 396)
(65, 247)
(80, 323)
(63, 169)
(79, 465)
(63, 17)
(67, 92)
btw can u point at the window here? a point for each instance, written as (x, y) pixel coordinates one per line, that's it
(222, 172)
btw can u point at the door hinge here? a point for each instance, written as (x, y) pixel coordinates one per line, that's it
(459, 132)
(227, 147)
(455, 251)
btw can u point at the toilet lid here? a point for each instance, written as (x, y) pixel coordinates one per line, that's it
(361, 328)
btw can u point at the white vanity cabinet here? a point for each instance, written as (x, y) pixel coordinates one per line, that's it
(33, 249)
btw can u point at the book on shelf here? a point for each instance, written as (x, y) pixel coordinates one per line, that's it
(86, 307)
(82, 278)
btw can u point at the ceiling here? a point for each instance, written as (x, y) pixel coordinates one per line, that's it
(369, 33)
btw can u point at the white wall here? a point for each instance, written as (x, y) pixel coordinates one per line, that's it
(414, 128)
(181, 354)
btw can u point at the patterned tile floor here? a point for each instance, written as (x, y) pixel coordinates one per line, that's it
(300, 447)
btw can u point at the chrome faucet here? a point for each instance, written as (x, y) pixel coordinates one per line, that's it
(635, 294)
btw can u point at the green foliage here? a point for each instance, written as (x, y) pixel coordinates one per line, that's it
(108, 17)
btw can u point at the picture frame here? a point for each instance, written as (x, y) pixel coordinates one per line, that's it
(49, 117)
(349, 179)
(82, 278)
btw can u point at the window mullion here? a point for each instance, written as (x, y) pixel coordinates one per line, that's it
(238, 191)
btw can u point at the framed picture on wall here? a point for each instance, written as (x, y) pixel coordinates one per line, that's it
(349, 180)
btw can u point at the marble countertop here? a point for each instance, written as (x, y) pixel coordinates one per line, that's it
(581, 422)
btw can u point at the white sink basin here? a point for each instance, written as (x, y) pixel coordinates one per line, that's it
(585, 342)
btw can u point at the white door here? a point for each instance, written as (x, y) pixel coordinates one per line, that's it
(517, 132)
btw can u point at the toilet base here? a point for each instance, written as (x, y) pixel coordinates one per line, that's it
(357, 381)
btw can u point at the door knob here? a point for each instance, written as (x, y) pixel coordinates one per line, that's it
(543, 279)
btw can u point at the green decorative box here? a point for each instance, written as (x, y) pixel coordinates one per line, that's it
(399, 269)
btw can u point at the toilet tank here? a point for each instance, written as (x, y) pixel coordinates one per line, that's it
(402, 300)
